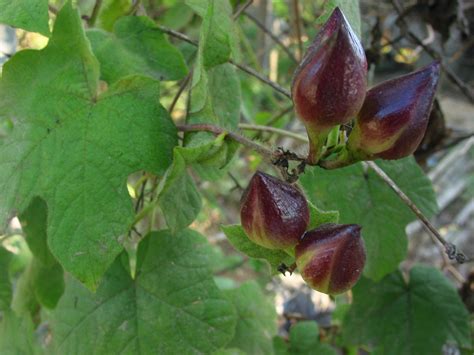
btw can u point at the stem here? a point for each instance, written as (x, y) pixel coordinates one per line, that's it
(316, 145)
(296, 10)
(450, 248)
(236, 15)
(242, 67)
(281, 132)
(95, 13)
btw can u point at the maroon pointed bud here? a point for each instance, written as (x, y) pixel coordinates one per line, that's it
(274, 214)
(394, 117)
(329, 85)
(331, 257)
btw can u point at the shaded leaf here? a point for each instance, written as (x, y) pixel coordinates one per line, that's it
(257, 319)
(17, 335)
(137, 46)
(172, 307)
(407, 317)
(5, 284)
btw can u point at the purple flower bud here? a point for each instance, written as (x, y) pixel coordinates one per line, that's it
(274, 214)
(394, 117)
(329, 85)
(331, 257)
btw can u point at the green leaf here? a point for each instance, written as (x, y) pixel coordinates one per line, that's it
(218, 39)
(304, 339)
(257, 319)
(30, 15)
(137, 46)
(318, 216)
(350, 8)
(363, 198)
(239, 240)
(172, 307)
(179, 198)
(75, 148)
(5, 284)
(17, 335)
(111, 11)
(177, 16)
(416, 316)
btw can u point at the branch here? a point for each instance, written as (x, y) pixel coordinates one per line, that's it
(281, 132)
(449, 247)
(296, 10)
(242, 67)
(272, 36)
(244, 7)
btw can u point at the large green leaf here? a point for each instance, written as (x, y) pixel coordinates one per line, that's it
(172, 307)
(31, 15)
(414, 316)
(257, 319)
(5, 284)
(137, 46)
(75, 147)
(363, 198)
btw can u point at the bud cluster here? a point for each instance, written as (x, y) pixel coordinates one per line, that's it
(330, 89)
(275, 215)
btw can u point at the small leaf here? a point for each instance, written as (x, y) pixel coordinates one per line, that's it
(75, 148)
(362, 197)
(257, 319)
(318, 216)
(172, 306)
(179, 198)
(137, 47)
(239, 240)
(30, 15)
(407, 317)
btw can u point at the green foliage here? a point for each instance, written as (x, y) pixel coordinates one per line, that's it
(239, 240)
(363, 198)
(30, 15)
(171, 307)
(407, 316)
(74, 147)
(137, 47)
(304, 340)
(256, 324)
(17, 335)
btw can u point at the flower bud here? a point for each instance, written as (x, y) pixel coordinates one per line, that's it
(331, 257)
(394, 117)
(274, 214)
(329, 85)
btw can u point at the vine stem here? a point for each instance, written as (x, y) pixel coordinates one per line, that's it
(449, 247)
